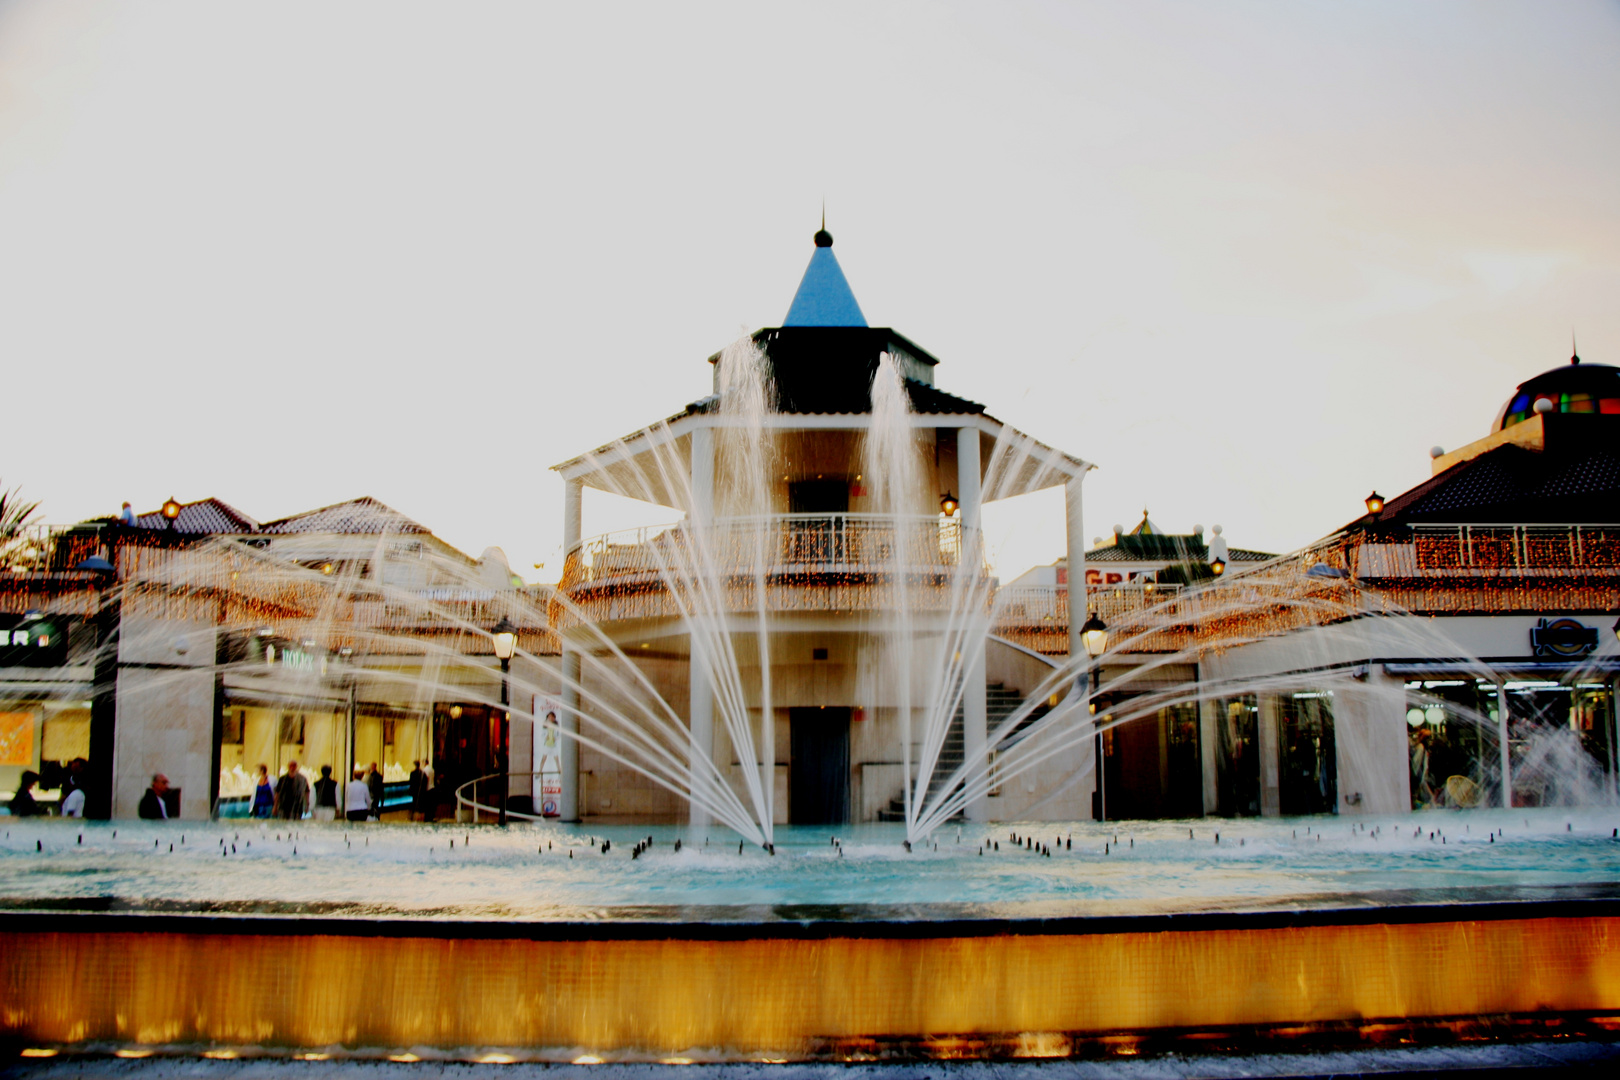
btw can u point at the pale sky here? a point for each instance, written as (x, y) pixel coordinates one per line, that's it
(1252, 259)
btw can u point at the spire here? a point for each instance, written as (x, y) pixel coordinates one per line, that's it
(824, 297)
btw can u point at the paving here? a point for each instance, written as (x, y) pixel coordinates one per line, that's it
(1563, 1057)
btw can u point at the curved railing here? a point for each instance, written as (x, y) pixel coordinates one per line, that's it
(805, 562)
(471, 803)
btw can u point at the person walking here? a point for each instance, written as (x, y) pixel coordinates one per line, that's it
(326, 805)
(374, 784)
(22, 803)
(292, 794)
(264, 796)
(357, 798)
(418, 780)
(154, 807)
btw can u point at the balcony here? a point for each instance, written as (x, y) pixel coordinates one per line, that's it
(805, 563)
(1037, 616)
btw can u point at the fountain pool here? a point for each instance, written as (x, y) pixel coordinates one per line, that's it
(553, 873)
(386, 940)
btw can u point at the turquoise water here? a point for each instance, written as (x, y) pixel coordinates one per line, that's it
(525, 871)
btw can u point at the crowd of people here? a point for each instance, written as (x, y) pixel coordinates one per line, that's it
(290, 797)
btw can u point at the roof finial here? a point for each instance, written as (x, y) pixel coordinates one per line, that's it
(823, 237)
(1574, 350)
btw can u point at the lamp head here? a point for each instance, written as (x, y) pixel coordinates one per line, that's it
(1217, 566)
(505, 634)
(1094, 636)
(948, 504)
(1375, 503)
(171, 509)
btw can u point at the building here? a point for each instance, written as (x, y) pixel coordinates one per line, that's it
(201, 643)
(829, 493)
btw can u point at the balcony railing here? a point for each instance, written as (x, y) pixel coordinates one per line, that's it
(806, 562)
(1500, 551)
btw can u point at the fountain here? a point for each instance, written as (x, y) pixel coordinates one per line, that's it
(737, 911)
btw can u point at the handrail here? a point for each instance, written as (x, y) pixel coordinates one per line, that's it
(475, 805)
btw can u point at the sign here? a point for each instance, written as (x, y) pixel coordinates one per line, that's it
(17, 739)
(548, 758)
(1562, 638)
(35, 640)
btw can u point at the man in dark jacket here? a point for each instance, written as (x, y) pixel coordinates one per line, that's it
(419, 786)
(153, 805)
(374, 784)
(292, 794)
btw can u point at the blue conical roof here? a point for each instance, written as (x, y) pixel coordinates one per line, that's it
(824, 298)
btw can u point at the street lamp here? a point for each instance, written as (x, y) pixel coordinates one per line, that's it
(948, 504)
(1217, 566)
(505, 635)
(1375, 503)
(1094, 636)
(171, 510)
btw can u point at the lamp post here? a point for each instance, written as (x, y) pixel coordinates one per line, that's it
(505, 635)
(1094, 635)
(171, 510)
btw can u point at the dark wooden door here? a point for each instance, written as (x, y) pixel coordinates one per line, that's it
(818, 775)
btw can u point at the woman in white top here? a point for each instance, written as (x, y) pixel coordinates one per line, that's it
(73, 805)
(357, 798)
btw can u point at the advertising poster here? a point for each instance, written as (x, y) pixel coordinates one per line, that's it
(548, 758)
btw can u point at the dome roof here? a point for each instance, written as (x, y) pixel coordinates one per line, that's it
(1570, 388)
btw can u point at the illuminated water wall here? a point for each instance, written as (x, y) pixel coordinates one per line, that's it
(790, 996)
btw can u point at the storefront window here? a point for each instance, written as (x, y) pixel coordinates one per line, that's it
(1452, 745)
(1560, 739)
(1237, 757)
(1307, 767)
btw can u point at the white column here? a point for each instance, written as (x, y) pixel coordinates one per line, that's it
(568, 751)
(700, 707)
(1209, 734)
(975, 712)
(1502, 743)
(1270, 751)
(1075, 529)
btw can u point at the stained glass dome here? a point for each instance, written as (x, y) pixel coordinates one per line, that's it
(1574, 387)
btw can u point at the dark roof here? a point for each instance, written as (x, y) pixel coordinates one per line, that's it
(362, 516)
(829, 369)
(206, 517)
(1575, 480)
(1144, 547)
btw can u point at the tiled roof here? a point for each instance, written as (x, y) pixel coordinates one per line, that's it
(362, 516)
(1511, 484)
(206, 517)
(1175, 549)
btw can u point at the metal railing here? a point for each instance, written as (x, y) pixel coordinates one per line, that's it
(806, 562)
(50, 548)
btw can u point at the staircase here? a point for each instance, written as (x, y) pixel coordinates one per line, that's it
(999, 704)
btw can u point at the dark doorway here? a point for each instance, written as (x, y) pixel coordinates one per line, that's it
(819, 497)
(467, 744)
(818, 776)
(1237, 757)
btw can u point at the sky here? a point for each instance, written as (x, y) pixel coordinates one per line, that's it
(1251, 259)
